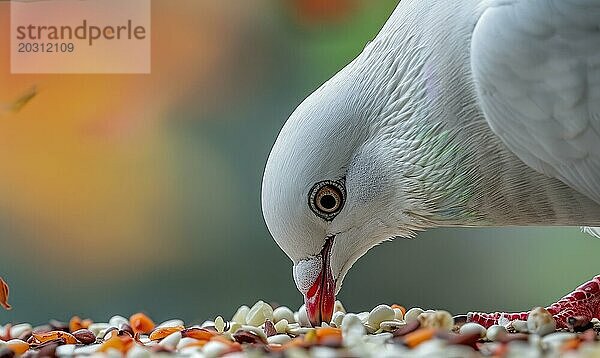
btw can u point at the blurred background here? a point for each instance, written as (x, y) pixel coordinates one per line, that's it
(125, 193)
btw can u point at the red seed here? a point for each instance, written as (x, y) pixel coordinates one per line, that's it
(52, 335)
(198, 333)
(141, 323)
(4, 291)
(162, 332)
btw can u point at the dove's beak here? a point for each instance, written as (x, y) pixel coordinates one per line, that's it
(320, 298)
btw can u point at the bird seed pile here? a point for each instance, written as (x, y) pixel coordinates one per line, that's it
(261, 330)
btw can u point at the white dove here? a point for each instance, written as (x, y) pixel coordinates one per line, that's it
(458, 113)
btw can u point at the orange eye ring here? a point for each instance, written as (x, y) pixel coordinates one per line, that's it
(326, 199)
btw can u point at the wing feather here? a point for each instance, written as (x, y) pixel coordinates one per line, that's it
(536, 65)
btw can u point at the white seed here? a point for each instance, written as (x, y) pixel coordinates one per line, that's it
(283, 312)
(398, 314)
(379, 314)
(207, 324)
(296, 331)
(540, 321)
(228, 335)
(117, 321)
(370, 329)
(259, 313)
(186, 341)
(240, 314)
(97, 328)
(496, 332)
(380, 338)
(279, 339)
(281, 326)
(254, 329)
(171, 340)
(219, 324)
(138, 351)
(171, 323)
(323, 352)
(65, 350)
(473, 328)
(18, 329)
(293, 325)
(190, 352)
(391, 325)
(363, 316)
(519, 326)
(214, 349)
(113, 353)
(352, 329)
(437, 319)
(233, 327)
(302, 317)
(106, 334)
(554, 340)
(337, 318)
(339, 307)
(88, 350)
(413, 314)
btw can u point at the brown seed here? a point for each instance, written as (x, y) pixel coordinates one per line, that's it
(270, 328)
(7, 336)
(122, 333)
(465, 339)
(589, 336)
(30, 354)
(514, 337)
(6, 353)
(85, 336)
(108, 333)
(49, 349)
(408, 328)
(242, 336)
(579, 324)
(126, 328)
(25, 335)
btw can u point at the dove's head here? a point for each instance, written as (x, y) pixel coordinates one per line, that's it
(331, 189)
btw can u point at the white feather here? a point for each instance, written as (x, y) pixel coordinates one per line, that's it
(537, 69)
(594, 231)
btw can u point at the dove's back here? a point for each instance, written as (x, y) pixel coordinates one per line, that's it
(511, 88)
(536, 64)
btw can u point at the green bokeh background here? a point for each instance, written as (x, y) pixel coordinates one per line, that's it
(217, 154)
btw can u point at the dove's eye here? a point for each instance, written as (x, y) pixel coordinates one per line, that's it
(326, 199)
